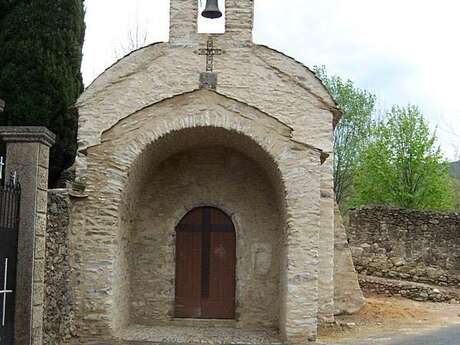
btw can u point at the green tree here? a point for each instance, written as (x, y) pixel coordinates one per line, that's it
(456, 183)
(351, 133)
(454, 171)
(403, 166)
(40, 60)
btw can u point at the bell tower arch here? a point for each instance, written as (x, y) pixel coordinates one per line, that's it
(211, 16)
(239, 22)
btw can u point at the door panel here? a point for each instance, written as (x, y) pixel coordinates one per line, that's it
(220, 304)
(188, 274)
(205, 265)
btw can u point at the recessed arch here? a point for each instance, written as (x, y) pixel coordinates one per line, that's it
(238, 152)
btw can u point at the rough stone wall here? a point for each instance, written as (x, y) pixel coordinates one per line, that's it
(406, 244)
(215, 177)
(348, 297)
(415, 291)
(59, 325)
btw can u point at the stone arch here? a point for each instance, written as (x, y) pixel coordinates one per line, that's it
(159, 151)
(113, 165)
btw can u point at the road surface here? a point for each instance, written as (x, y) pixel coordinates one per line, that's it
(445, 336)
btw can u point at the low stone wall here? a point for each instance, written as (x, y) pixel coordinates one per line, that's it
(415, 291)
(406, 244)
(59, 326)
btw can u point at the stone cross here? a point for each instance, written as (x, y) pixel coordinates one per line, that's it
(210, 52)
(4, 292)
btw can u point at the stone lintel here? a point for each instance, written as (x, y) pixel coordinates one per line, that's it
(29, 134)
(2, 105)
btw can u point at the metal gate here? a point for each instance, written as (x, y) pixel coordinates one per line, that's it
(10, 195)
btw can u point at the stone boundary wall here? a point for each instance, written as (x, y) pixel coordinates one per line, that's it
(59, 325)
(406, 245)
(414, 291)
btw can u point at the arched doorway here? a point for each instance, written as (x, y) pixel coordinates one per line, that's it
(205, 265)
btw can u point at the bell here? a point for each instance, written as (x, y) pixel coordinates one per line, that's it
(211, 10)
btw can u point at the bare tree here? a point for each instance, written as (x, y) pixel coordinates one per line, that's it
(136, 38)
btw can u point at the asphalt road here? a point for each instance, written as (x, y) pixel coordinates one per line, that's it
(445, 336)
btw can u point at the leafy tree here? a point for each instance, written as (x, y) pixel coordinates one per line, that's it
(403, 166)
(454, 171)
(41, 52)
(456, 183)
(352, 132)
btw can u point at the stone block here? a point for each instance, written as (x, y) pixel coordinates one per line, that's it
(42, 201)
(44, 156)
(42, 178)
(39, 270)
(37, 316)
(37, 335)
(39, 247)
(40, 226)
(38, 294)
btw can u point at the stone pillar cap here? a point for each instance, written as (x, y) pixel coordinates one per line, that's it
(30, 134)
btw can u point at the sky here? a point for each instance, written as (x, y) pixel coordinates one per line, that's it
(404, 51)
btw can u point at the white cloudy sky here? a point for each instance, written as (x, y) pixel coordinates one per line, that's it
(405, 51)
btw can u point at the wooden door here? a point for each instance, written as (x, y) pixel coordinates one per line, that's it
(205, 265)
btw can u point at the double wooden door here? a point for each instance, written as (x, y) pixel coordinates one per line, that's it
(205, 265)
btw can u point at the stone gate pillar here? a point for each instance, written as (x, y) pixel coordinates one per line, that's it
(28, 156)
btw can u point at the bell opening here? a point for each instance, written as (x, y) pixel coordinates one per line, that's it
(211, 16)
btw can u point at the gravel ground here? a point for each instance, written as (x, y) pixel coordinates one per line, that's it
(396, 321)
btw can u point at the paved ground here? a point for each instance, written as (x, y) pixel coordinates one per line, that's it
(445, 336)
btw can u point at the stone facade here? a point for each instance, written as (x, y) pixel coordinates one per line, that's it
(405, 244)
(156, 140)
(148, 147)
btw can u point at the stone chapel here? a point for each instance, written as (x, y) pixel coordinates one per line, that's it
(209, 203)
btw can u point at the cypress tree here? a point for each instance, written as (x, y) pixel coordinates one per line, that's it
(40, 60)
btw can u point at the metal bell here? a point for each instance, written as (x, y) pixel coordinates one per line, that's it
(211, 10)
